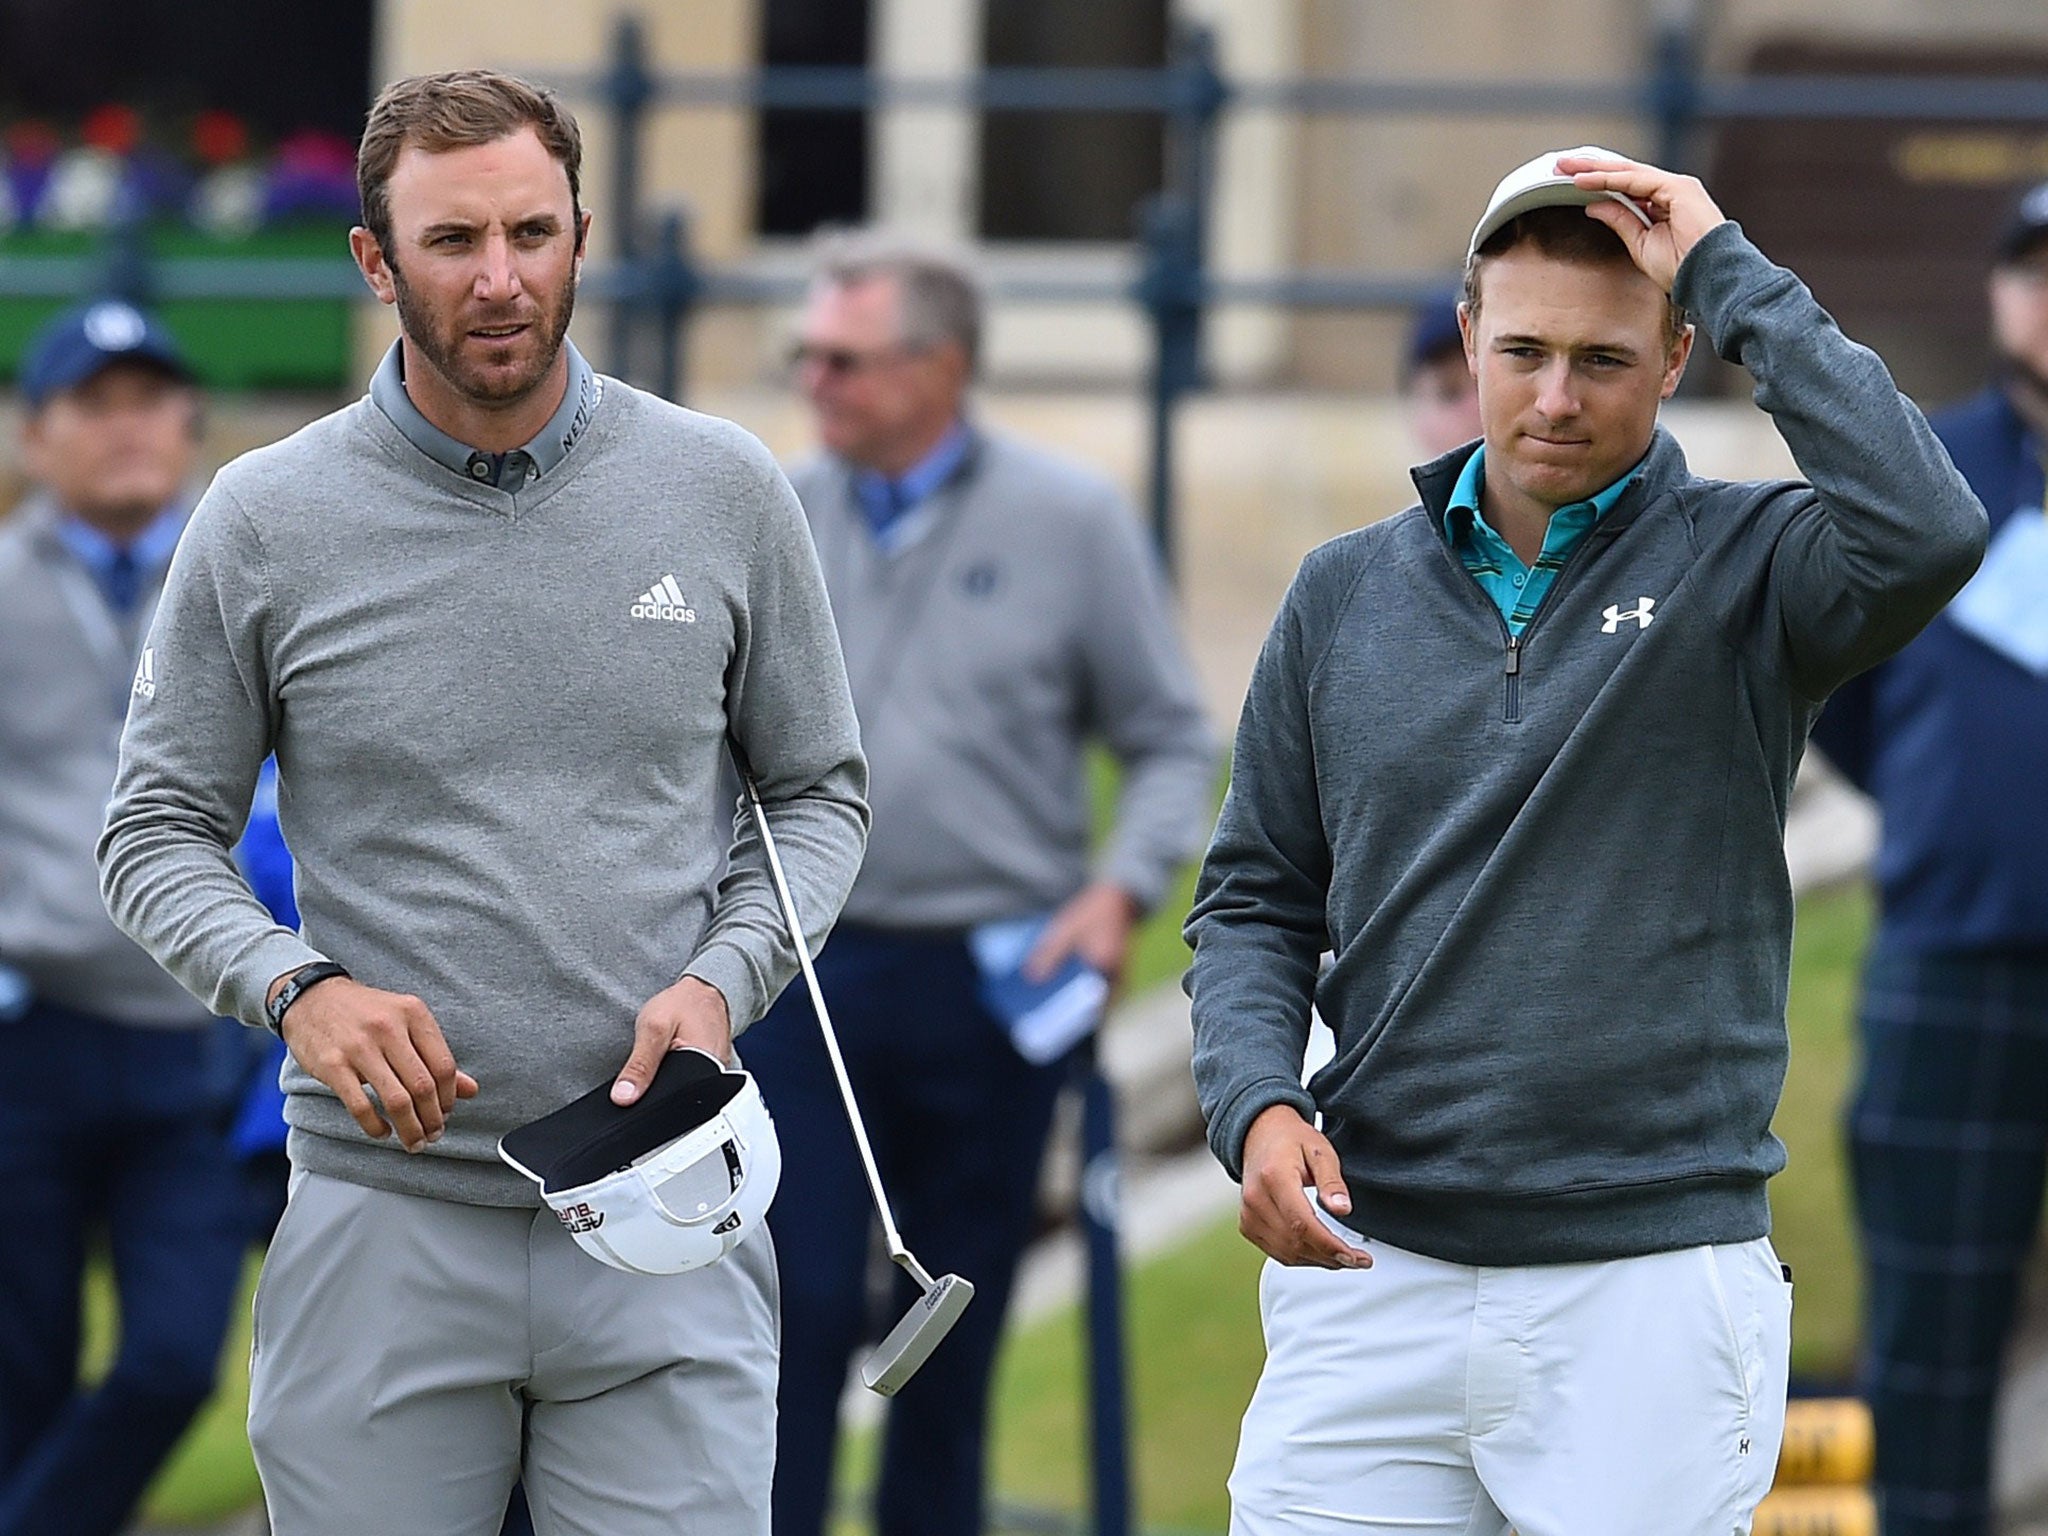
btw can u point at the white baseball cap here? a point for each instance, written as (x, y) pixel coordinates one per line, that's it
(672, 1182)
(1539, 184)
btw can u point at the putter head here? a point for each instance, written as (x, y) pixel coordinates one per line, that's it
(911, 1342)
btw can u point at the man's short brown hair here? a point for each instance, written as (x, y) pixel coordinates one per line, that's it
(1563, 233)
(457, 110)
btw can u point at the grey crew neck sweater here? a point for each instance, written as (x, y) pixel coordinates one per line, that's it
(500, 721)
(1552, 866)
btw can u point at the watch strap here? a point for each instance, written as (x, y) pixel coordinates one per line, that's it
(295, 984)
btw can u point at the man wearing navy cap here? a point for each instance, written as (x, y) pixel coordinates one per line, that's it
(1436, 381)
(1949, 1128)
(114, 1083)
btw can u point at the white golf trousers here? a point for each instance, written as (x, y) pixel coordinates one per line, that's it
(1636, 1397)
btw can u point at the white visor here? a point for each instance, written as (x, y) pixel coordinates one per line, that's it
(683, 1202)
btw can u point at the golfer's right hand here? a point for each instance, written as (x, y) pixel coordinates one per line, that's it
(354, 1038)
(1284, 1157)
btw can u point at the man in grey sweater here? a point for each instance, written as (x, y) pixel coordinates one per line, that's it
(1520, 756)
(1000, 611)
(497, 621)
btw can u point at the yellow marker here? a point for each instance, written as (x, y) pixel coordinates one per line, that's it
(1827, 1440)
(1821, 1511)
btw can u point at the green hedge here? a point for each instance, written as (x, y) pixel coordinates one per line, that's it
(233, 343)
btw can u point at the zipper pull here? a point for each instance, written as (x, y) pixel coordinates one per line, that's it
(1514, 655)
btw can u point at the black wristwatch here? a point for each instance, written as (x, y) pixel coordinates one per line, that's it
(305, 976)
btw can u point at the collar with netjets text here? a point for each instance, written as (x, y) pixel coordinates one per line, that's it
(506, 471)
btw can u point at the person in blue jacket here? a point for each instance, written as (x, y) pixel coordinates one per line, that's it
(1948, 1131)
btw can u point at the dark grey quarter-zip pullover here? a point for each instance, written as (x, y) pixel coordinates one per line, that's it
(1552, 869)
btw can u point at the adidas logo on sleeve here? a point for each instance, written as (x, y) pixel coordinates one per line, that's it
(664, 600)
(145, 674)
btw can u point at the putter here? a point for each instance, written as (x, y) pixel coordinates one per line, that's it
(910, 1343)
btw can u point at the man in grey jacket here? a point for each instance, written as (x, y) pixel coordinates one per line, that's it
(1520, 756)
(497, 620)
(1000, 611)
(115, 1085)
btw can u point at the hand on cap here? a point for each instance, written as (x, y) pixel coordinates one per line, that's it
(1680, 210)
(690, 1013)
(356, 1038)
(1284, 1156)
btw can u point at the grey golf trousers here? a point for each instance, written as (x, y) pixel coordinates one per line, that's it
(413, 1356)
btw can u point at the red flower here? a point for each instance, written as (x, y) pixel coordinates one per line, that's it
(115, 128)
(315, 152)
(31, 141)
(218, 137)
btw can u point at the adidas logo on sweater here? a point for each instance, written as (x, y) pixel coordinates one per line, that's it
(145, 674)
(664, 600)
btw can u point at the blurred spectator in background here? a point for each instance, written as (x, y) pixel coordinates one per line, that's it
(1436, 379)
(999, 609)
(1949, 1128)
(115, 1086)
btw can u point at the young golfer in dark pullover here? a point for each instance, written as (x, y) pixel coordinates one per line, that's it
(1552, 866)
(1544, 841)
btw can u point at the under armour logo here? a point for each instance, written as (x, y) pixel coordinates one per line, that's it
(1640, 613)
(1742, 1446)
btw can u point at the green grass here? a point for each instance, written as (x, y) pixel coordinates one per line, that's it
(1194, 1350)
(1812, 1227)
(1157, 954)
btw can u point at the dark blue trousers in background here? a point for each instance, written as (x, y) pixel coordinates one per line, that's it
(1948, 1140)
(959, 1124)
(108, 1128)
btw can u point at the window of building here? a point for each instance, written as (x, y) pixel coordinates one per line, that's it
(813, 165)
(1069, 175)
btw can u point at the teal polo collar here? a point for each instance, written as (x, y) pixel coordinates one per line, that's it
(1515, 589)
(1465, 495)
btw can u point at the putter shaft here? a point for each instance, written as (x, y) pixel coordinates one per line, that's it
(910, 1343)
(897, 1251)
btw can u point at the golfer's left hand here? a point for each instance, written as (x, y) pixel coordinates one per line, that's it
(1096, 925)
(691, 1012)
(1680, 210)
